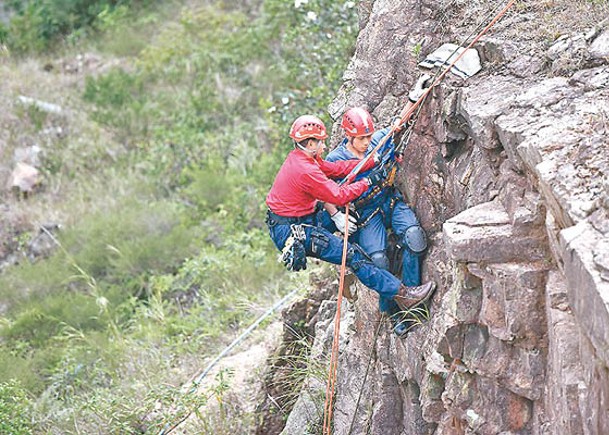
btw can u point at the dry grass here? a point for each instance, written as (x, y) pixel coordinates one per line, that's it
(72, 148)
(533, 24)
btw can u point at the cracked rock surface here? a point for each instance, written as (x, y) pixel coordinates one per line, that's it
(508, 173)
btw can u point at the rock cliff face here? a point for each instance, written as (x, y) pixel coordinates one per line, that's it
(509, 174)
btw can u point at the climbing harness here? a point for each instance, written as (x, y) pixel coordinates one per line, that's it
(391, 173)
(369, 218)
(404, 117)
(293, 255)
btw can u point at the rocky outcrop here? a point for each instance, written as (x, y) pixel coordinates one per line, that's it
(289, 382)
(509, 174)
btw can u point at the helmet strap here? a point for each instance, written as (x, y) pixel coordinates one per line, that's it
(298, 145)
(304, 148)
(350, 143)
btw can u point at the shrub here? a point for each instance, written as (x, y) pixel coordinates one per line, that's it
(119, 101)
(136, 238)
(39, 24)
(37, 324)
(118, 245)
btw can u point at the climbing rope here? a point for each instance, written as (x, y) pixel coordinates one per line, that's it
(404, 117)
(328, 405)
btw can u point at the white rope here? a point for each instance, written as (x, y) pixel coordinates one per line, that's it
(168, 429)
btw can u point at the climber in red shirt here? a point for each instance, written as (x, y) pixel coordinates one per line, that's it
(303, 182)
(304, 176)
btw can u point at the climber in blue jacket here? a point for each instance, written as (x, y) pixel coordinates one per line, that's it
(382, 208)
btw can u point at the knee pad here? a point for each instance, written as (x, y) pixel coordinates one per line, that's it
(415, 239)
(380, 260)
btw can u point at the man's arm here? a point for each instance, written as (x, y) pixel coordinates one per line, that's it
(343, 167)
(318, 185)
(330, 208)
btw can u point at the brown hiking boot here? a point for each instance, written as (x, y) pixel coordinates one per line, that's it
(409, 297)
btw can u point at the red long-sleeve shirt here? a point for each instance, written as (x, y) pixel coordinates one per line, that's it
(303, 180)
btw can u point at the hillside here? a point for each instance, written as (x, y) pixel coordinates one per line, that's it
(137, 143)
(138, 140)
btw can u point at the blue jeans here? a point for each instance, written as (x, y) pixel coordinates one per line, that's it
(321, 243)
(389, 210)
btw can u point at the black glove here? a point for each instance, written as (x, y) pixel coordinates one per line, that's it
(376, 177)
(294, 256)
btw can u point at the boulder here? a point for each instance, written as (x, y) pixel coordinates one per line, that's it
(24, 178)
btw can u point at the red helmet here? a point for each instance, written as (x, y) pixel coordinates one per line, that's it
(307, 126)
(357, 122)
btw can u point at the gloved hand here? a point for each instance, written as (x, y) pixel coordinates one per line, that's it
(339, 221)
(376, 177)
(293, 255)
(419, 88)
(396, 123)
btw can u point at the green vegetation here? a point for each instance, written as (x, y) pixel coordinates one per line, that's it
(40, 24)
(167, 254)
(14, 409)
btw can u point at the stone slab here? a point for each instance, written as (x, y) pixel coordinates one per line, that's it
(588, 292)
(484, 234)
(564, 372)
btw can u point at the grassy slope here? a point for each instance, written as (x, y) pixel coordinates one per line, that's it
(156, 170)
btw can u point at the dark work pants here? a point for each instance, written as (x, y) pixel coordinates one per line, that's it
(321, 243)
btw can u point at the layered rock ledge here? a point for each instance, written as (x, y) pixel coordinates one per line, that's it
(509, 174)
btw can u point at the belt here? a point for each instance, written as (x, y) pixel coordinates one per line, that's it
(286, 220)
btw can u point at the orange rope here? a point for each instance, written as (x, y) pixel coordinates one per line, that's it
(407, 115)
(328, 406)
